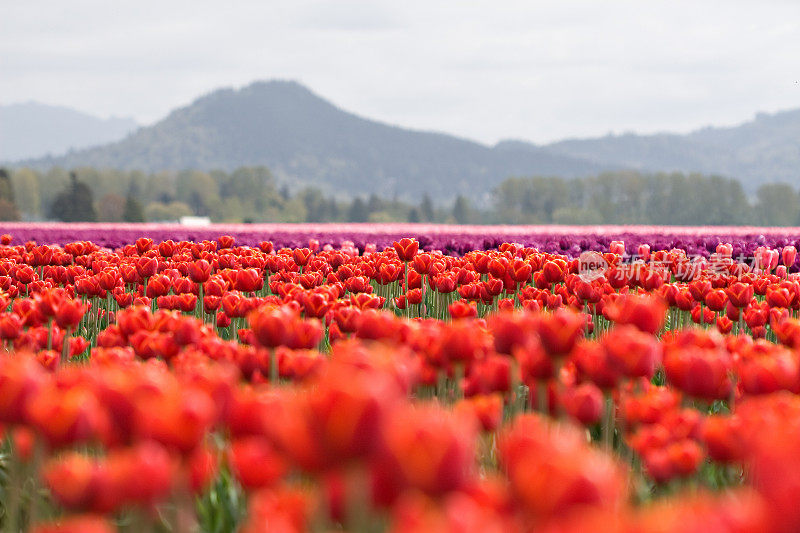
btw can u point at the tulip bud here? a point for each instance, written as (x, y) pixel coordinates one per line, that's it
(725, 249)
(69, 313)
(764, 258)
(788, 255)
(226, 241)
(200, 271)
(617, 247)
(406, 249)
(773, 259)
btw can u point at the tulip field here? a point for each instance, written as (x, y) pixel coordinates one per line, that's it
(625, 381)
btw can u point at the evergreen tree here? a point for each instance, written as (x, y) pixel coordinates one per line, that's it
(333, 210)
(778, 204)
(26, 192)
(426, 209)
(134, 211)
(461, 210)
(413, 215)
(8, 209)
(6, 188)
(374, 204)
(74, 203)
(315, 204)
(358, 211)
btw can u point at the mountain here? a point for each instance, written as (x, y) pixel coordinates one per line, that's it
(765, 149)
(35, 130)
(304, 139)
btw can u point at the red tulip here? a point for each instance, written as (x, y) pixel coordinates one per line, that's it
(255, 463)
(724, 324)
(10, 326)
(248, 280)
(200, 271)
(770, 371)
(788, 256)
(631, 352)
(739, 293)
(406, 249)
(617, 247)
(73, 481)
(552, 470)
(724, 437)
(699, 288)
(462, 309)
(553, 272)
(755, 315)
(645, 312)
(422, 263)
(699, 372)
(270, 326)
(302, 256)
(69, 313)
(560, 331)
(584, 403)
(486, 408)
(716, 300)
(226, 242)
(428, 449)
(158, 286)
(146, 266)
(780, 297)
(347, 318)
(316, 305)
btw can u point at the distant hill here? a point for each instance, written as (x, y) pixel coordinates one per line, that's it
(765, 149)
(35, 130)
(303, 138)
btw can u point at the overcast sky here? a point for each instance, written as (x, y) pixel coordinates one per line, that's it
(531, 69)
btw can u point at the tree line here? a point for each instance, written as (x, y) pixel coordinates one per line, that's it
(252, 194)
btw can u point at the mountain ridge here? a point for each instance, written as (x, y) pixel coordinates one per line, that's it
(761, 150)
(30, 129)
(306, 140)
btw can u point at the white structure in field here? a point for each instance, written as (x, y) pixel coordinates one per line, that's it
(195, 221)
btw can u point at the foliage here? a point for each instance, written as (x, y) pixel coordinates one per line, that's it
(8, 211)
(133, 210)
(159, 211)
(462, 211)
(111, 208)
(253, 194)
(636, 198)
(74, 203)
(8, 208)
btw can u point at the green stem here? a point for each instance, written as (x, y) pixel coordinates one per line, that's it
(65, 347)
(50, 334)
(35, 501)
(608, 422)
(14, 489)
(273, 367)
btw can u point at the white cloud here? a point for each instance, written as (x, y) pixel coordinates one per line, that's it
(480, 69)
